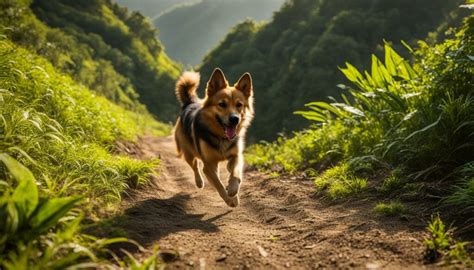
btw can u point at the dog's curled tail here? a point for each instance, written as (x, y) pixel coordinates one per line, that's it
(186, 87)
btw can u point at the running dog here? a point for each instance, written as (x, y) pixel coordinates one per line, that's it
(212, 130)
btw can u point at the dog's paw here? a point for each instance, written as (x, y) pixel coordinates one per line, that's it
(233, 187)
(199, 183)
(233, 201)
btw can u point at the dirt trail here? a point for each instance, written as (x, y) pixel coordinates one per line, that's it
(279, 224)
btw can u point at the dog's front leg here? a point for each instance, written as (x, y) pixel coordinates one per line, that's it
(211, 172)
(234, 166)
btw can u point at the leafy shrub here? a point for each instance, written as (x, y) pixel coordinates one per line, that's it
(43, 232)
(25, 215)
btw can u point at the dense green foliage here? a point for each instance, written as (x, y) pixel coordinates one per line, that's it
(101, 45)
(415, 119)
(190, 31)
(56, 142)
(293, 59)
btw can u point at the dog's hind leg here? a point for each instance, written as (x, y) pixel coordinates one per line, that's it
(194, 163)
(211, 172)
(235, 167)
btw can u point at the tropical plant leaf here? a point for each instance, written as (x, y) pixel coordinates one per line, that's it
(50, 211)
(423, 129)
(25, 194)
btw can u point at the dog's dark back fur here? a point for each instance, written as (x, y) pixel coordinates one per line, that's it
(188, 116)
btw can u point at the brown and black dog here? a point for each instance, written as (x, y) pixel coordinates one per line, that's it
(212, 130)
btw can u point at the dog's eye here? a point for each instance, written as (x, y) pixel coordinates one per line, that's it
(239, 105)
(222, 104)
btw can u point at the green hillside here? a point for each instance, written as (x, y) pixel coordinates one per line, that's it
(59, 163)
(67, 97)
(101, 45)
(190, 31)
(294, 58)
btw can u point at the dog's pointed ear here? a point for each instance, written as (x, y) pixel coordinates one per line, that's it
(216, 82)
(245, 84)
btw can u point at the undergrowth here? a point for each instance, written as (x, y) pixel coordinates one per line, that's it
(415, 120)
(56, 147)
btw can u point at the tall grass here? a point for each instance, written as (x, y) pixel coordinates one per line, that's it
(63, 132)
(417, 118)
(56, 147)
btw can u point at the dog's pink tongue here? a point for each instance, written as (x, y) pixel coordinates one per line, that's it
(230, 132)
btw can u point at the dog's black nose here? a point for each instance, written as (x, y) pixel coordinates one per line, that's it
(234, 119)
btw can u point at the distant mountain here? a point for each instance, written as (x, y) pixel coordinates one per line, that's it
(151, 8)
(189, 31)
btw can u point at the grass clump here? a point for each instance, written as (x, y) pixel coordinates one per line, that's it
(442, 247)
(396, 184)
(391, 209)
(338, 182)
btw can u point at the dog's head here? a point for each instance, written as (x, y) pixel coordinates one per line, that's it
(229, 108)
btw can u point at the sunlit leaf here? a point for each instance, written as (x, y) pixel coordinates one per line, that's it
(25, 194)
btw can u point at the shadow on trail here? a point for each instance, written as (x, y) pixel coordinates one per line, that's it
(152, 219)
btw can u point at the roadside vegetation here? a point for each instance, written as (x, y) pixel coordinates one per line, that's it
(404, 129)
(58, 164)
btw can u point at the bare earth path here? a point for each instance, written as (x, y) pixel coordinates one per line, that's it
(280, 224)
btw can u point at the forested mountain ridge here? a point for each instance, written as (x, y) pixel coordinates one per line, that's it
(151, 8)
(191, 30)
(294, 58)
(101, 45)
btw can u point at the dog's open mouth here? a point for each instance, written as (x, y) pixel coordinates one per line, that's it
(230, 132)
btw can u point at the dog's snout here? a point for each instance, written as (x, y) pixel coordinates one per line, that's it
(234, 119)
